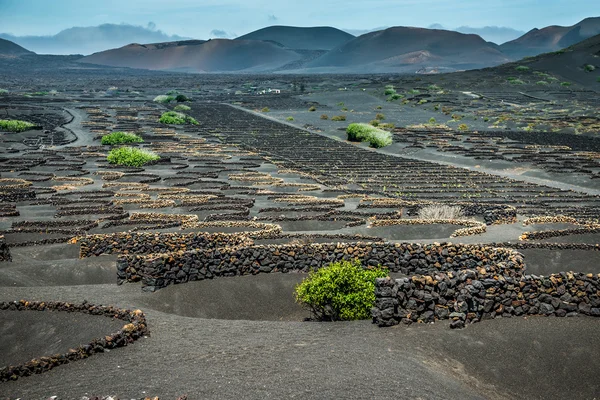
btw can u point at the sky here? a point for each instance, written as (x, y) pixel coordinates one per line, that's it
(202, 19)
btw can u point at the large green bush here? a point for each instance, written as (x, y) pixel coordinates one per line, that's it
(121, 138)
(14, 125)
(339, 292)
(367, 133)
(131, 157)
(176, 118)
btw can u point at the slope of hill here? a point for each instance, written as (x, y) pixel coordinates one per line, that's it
(551, 38)
(579, 63)
(10, 49)
(217, 55)
(291, 37)
(404, 49)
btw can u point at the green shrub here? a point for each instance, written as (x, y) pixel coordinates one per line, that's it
(367, 133)
(522, 68)
(389, 91)
(589, 68)
(290, 118)
(541, 83)
(121, 138)
(176, 118)
(388, 125)
(172, 93)
(180, 98)
(342, 291)
(182, 107)
(422, 101)
(374, 122)
(395, 96)
(565, 84)
(163, 98)
(131, 157)
(265, 109)
(432, 120)
(3, 92)
(338, 118)
(14, 125)
(312, 108)
(463, 127)
(515, 81)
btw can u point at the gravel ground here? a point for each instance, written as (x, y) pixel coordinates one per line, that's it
(543, 358)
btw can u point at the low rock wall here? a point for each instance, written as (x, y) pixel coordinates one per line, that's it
(148, 242)
(469, 296)
(159, 270)
(4, 250)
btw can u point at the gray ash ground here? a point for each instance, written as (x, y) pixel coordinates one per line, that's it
(245, 336)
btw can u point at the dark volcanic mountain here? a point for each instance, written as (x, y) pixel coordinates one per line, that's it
(216, 55)
(291, 37)
(10, 49)
(403, 49)
(551, 38)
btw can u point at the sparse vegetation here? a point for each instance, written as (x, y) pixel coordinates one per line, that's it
(338, 118)
(120, 138)
(163, 99)
(14, 125)
(374, 122)
(3, 92)
(463, 127)
(324, 116)
(131, 157)
(541, 83)
(514, 81)
(290, 118)
(380, 117)
(176, 118)
(341, 291)
(312, 108)
(441, 212)
(265, 109)
(181, 98)
(367, 133)
(182, 107)
(522, 68)
(565, 84)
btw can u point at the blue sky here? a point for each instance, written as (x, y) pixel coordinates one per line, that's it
(197, 18)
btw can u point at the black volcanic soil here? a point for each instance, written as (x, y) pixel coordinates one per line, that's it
(30, 334)
(244, 336)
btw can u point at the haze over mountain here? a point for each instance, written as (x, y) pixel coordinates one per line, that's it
(291, 37)
(405, 49)
(87, 40)
(551, 38)
(216, 55)
(10, 49)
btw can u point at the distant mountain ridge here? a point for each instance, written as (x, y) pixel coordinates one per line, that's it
(408, 49)
(216, 55)
(330, 50)
(298, 38)
(551, 38)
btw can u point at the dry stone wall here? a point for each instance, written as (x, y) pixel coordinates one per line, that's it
(470, 295)
(4, 250)
(148, 242)
(159, 270)
(135, 328)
